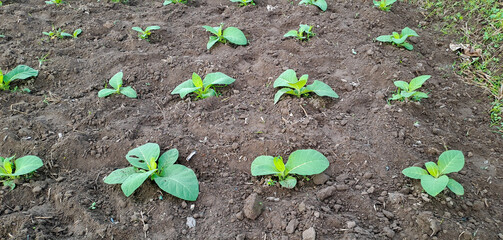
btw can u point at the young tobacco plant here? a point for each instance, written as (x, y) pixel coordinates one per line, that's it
(399, 39)
(291, 85)
(384, 5)
(231, 34)
(435, 179)
(322, 4)
(55, 2)
(116, 83)
(19, 72)
(175, 179)
(167, 2)
(203, 88)
(145, 34)
(304, 33)
(407, 91)
(301, 162)
(243, 3)
(12, 168)
(58, 33)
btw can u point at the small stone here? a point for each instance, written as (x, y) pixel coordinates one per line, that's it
(320, 179)
(292, 225)
(388, 232)
(317, 214)
(478, 205)
(253, 206)
(367, 175)
(36, 189)
(191, 222)
(309, 234)
(388, 214)
(337, 207)
(240, 215)
(184, 205)
(342, 177)
(342, 187)
(351, 224)
(241, 236)
(302, 207)
(325, 193)
(371, 190)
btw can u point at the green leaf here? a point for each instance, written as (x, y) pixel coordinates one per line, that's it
(414, 172)
(306, 162)
(279, 164)
(77, 32)
(298, 85)
(407, 46)
(167, 159)
(134, 181)
(20, 72)
(150, 28)
(288, 76)
(235, 36)
(289, 182)
(184, 88)
(263, 165)
(280, 93)
(116, 80)
(120, 175)
(322, 4)
(419, 95)
(321, 89)
(217, 78)
(407, 94)
(434, 186)
(417, 82)
(139, 156)
(27, 164)
(432, 169)
(455, 187)
(64, 34)
(167, 2)
(106, 92)
(385, 38)
(9, 183)
(451, 161)
(137, 29)
(211, 30)
(407, 32)
(211, 42)
(128, 92)
(402, 85)
(291, 33)
(196, 80)
(209, 93)
(179, 181)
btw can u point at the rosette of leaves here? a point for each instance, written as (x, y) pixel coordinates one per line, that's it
(175, 179)
(116, 83)
(434, 179)
(19, 72)
(21, 166)
(399, 39)
(384, 5)
(203, 88)
(243, 3)
(301, 162)
(297, 87)
(145, 34)
(322, 4)
(305, 32)
(407, 91)
(231, 34)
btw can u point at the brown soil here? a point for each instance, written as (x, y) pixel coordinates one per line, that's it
(82, 138)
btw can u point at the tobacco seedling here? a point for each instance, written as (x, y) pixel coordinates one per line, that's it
(384, 5)
(231, 34)
(243, 3)
(12, 168)
(407, 91)
(399, 39)
(304, 32)
(203, 88)
(55, 2)
(301, 162)
(75, 34)
(435, 179)
(322, 4)
(175, 179)
(167, 2)
(116, 83)
(58, 33)
(145, 34)
(291, 85)
(19, 72)
(93, 206)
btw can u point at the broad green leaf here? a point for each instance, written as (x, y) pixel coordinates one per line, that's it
(235, 36)
(1, 77)
(322, 4)
(167, 159)
(19, 72)
(419, 95)
(451, 161)
(106, 92)
(77, 32)
(384, 38)
(184, 88)
(407, 94)
(263, 165)
(167, 2)
(282, 91)
(64, 34)
(288, 76)
(196, 80)
(116, 80)
(120, 175)
(289, 182)
(211, 30)
(211, 42)
(291, 33)
(414, 172)
(306, 162)
(417, 82)
(279, 164)
(432, 169)
(134, 181)
(402, 85)
(7, 167)
(304, 77)
(455, 187)
(217, 78)
(137, 29)
(139, 156)
(298, 85)
(396, 97)
(128, 92)
(209, 93)
(321, 89)
(179, 181)
(150, 28)
(27, 164)
(407, 46)
(407, 32)
(434, 186)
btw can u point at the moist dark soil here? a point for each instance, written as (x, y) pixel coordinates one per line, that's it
(362, 195)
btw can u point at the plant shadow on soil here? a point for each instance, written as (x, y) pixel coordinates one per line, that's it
(82, 138)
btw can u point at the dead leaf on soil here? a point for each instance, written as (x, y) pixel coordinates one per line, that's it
(466, 50)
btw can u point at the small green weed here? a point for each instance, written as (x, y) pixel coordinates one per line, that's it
(304, 33)
(145, 34)
(58, 33)
(399, 39)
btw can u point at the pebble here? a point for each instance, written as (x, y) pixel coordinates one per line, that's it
(337, 207)
(317, 214)
(478, 205)
(342, 187)
(367, 175)
(36, 189)
(302, 207)
(292, 225)
(351, 224)
(184, 205)
(388, 214)
(240, 215)
(325, 193)
(371, 190)
(253, 206)
(320, 179)
(388, 232)
(309, 234)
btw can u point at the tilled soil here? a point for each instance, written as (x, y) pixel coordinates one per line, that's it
(362, 195)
